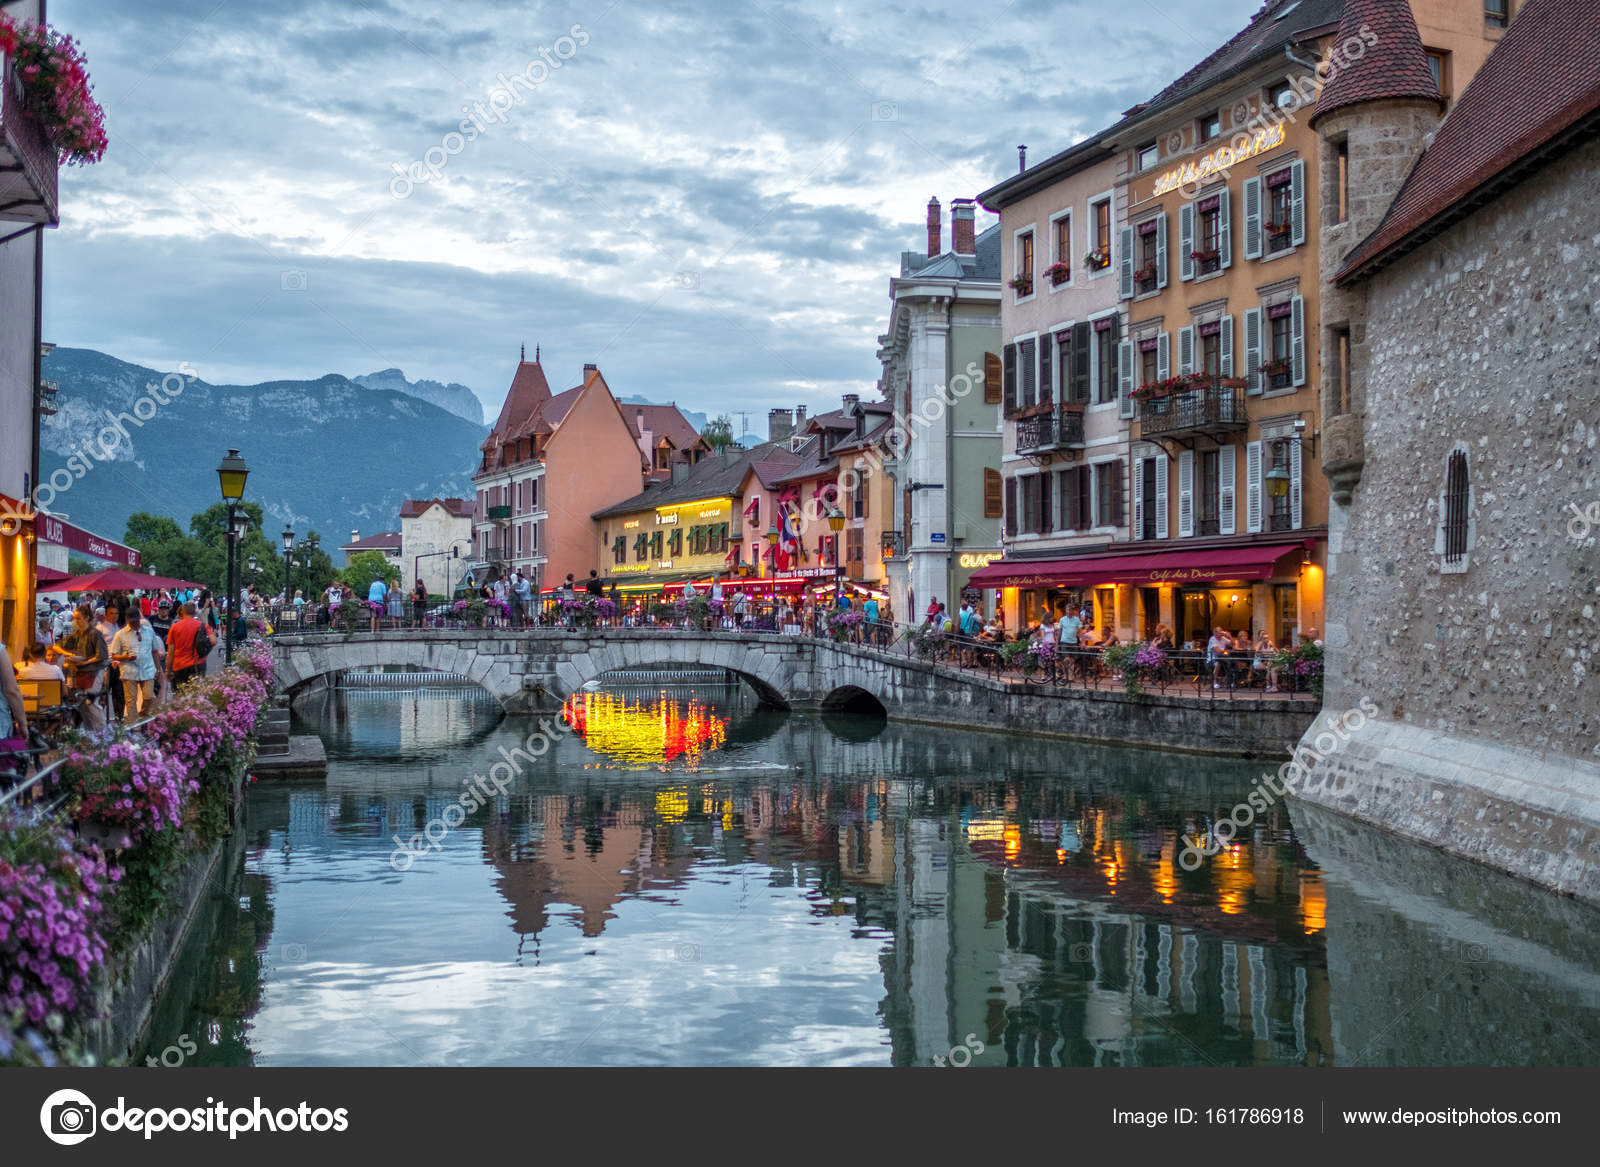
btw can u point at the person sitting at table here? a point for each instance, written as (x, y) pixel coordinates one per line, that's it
(1162, 637)
(37, 667)
(1217, 650)
(1262, 664)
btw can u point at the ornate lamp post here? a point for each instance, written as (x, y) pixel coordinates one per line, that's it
(836, 524)
(231, 475)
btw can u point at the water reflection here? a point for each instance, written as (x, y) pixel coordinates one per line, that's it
(691, 881)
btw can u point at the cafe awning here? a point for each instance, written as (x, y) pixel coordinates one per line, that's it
(1199, 566)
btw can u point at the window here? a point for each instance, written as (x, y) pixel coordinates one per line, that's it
(853, 546)
(1278, 368)
(641, 547)
(1210, 351)
(1455, 534)
(533, 493)
(1061, 241)
(1439, 66)
(1108, 494)
(1149, 155)
(1341, 373)
(1283, 96)
(1148, 365)
(993, 381)
(675, 542)
(1210, 127)
(1023, 283)
(1147, 258)
(993, 505)
(858, 496)
(1208, 238)
(1105, 357)
(1496, 13)
(1277, 223)
(1076, 499)
(1206, 492)
(1278, 513)
(1341, 205)
(1147, 514)
(1101, 250)
(619, 550)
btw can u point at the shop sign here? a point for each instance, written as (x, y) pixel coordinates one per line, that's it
(936, 537)
(1244, 147)
(977, 558)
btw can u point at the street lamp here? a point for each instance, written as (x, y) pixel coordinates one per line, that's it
(231, 475)
(836, 524)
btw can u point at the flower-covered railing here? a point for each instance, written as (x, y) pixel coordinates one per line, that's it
(54, 86)
(88, 869)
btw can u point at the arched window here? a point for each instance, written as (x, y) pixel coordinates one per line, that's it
(1456, 531)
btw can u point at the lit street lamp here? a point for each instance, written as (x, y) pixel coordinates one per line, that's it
(231, 475)
(836, 524)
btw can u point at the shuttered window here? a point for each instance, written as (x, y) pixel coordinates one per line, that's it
(1027, 374)
(1011, 506)
(993, 498)
(1009, 379)
(992, 379)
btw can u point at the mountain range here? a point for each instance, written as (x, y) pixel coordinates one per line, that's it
(333, 454)
(452, 398)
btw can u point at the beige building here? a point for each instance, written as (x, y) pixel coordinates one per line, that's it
(435, 543)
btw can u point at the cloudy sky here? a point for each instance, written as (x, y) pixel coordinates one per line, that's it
(705, 198)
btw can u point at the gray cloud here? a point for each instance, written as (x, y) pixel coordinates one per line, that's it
(253, 141)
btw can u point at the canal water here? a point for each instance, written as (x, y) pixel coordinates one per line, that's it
(676, 877)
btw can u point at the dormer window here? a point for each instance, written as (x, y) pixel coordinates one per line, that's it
(1149, 155)
(1210, 127)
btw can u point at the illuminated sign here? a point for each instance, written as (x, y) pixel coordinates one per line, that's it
(630, 524)
(984, 559)
(665, 520)
(1244, 147)
(713, 513)
(628, 568)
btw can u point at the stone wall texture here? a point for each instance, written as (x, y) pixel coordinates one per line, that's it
(1486, 337)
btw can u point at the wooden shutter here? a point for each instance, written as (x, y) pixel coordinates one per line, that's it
(1252, 218)
(1186, 350)
(1297, 339)
(1009, 379)
(1125, 265)
(1252, 488)
(1161, 250)
(993, 382)
(1027, 370)
(1042, 484)
(1185, 494)
(1226, 504)
(993, 493)
(1117, 470)
(1125, 362)
(1163, 356)
(1225, 347)
(1082, 353)
(1065, 501)
(1047, 344)
(1186, 241)
(1294, 485)
(1162, 529)
(1011, 506)
(1085, 499)
(1137, 530)
(1225, 228)
(1252, 350)
(1297, 201)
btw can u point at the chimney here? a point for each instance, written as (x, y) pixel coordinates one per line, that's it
(780, 424)
(680, 472)
(1022, 159)
(963, 237)
(355, 536)
(935, 247)
(589, 368)
(851, 401)
(799, 418)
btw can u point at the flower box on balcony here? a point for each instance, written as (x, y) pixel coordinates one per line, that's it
(1059, 273)
(1023, 285)
(1145, 275)
(1097, 260)
(1276, 368)
(1233, 383)
(1204, 256)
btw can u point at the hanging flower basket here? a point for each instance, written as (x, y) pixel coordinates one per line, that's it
(1144, 274)
(1023, 285)
(1095, 260)
(55, 87)
(1059, 273)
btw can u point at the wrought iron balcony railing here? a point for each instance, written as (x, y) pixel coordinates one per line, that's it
(1209, 408)
(498, 514)
(1057, 430)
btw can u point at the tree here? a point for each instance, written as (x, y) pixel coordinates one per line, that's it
(366, 566)
(718, 432)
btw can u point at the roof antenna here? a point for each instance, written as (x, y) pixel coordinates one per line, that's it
(524, 353)
(536, 354)
(1022, 159)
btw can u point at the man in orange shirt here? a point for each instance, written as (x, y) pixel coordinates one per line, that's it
(182, 658)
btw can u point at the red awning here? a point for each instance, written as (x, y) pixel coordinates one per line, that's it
(64, 534)
(1200, 566)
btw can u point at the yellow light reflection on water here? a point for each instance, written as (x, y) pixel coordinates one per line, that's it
(644, 732)
(1313, 902)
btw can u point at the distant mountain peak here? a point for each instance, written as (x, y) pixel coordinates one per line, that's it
(452, 398)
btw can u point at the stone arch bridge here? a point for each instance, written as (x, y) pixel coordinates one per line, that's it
(529, 670)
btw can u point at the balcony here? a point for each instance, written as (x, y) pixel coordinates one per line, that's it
(49, 391)
(1214, 408)
(894, 544)
(1059, 430)
(28, 162)
(498, 514)
(494, 555)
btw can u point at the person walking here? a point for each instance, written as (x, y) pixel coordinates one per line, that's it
(85, 652)
(870, 614)
(1047, 637)
(1070, 640)
(136, 649)
(419, 602)
(739, 607)
(106, 624)
(524, 593)
(188, 642)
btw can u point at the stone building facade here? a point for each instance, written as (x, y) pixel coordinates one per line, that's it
(1463, 458)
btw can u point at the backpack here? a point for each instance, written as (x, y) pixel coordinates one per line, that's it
(202, 643)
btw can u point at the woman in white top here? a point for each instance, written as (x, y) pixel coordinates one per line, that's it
(36, 668)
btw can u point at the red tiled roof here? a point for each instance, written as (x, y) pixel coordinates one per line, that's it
(1393, 65)
(663, 421)
(529, 390)
(460, 508)
(1277, 22)
(1540, 81)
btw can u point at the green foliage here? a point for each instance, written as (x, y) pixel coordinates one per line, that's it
(366, 566)
(718, 432)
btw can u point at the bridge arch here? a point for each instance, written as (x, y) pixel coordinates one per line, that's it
(769, 674)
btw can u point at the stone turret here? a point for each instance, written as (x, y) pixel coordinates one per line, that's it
(1377, 111)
